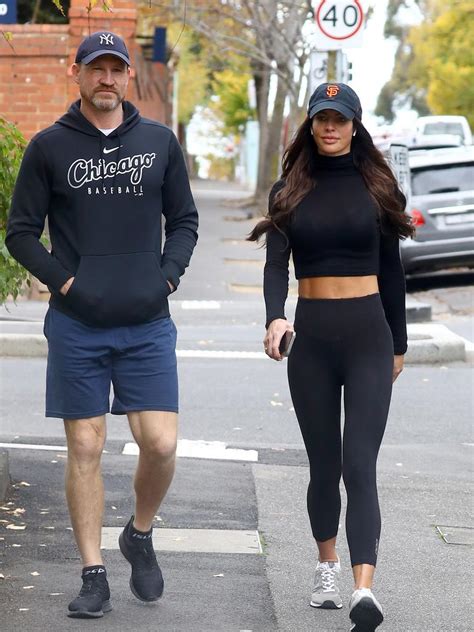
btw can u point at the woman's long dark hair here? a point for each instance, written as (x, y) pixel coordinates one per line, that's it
(298, 174)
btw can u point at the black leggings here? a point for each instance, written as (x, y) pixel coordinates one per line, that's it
(343, 342)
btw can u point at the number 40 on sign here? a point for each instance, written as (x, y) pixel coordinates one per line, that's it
(339, 24)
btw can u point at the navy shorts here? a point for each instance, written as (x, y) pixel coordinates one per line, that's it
(139, 361)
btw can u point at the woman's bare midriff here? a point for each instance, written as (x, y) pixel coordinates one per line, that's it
(337, 287)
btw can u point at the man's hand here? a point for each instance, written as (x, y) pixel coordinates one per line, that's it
(65, 288)
(397, 366)
(273, 337)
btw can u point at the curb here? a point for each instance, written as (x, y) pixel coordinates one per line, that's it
(430, 344)
(4, 474)
(427, 344)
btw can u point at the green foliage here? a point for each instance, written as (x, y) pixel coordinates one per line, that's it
(231, 86)
(434, 71)
(12, 146)
(443, 60)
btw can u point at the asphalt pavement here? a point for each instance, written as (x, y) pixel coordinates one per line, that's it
(233, 398)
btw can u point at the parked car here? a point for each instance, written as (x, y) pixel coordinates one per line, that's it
(442, 209)
(452, 125)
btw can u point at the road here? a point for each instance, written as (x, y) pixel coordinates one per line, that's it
(425, 478)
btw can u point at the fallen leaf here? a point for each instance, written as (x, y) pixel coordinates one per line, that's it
(41, 544)
(16, 527)
(55, 594)
(276, 403)
(19, 511)
(3, 521)
(220, 575)
(34, 573)
(5, 508)
(49, 527)
(158, 518)
(44, 513)
(24, 484)
(114, 507)
(53, 461)
(2, 576)
(27, 587)
(23, 609)
(16, 546)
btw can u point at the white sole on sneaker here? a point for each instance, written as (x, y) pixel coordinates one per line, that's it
(329, 604)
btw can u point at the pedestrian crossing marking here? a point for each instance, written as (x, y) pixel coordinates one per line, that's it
(232, 541)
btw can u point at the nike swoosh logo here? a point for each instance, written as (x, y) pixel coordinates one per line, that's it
(107, 151)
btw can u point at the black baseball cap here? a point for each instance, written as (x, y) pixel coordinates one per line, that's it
(101, 43)
(335, 96)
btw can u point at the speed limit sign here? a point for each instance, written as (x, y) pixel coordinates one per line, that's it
(339, 24)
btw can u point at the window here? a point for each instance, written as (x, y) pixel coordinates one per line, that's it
(442, 179)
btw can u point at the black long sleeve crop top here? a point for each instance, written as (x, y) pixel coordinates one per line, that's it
(335, 231)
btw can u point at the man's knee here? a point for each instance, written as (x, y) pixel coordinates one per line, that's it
(162, 447)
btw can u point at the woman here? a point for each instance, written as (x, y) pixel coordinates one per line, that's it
(338, 210)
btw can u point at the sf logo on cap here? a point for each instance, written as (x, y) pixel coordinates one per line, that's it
(107, 38)
(331, 91)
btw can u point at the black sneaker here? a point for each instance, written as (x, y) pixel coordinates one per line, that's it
(146, 582)
(94, 597)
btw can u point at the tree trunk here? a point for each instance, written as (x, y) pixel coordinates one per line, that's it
(269, 158)
(262, 85)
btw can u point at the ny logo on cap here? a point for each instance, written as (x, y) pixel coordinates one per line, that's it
(107, 38)
(332, 91)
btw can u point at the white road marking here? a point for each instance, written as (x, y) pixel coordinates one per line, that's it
(194, 540)
(217, 450)
(33, 446)
(187, 448)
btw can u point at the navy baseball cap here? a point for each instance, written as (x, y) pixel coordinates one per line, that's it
(101, 43)
(335, 96)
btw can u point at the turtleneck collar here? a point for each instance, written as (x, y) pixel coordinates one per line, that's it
(337, 164)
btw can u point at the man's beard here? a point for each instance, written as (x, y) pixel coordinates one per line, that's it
(106, 104)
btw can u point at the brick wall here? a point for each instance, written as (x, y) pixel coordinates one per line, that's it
(35, 88)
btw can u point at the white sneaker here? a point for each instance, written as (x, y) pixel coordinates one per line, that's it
(365, 612)
(326, 590)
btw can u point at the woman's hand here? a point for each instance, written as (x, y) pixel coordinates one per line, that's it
(275, 332)
(397, 366)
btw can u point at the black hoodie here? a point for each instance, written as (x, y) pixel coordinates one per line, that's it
(104, 197)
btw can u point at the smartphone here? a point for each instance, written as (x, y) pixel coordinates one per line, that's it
(286, 343)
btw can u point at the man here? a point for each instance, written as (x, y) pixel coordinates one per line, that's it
(104, 176)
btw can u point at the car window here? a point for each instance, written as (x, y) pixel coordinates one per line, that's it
(443, 128)
(442, 179)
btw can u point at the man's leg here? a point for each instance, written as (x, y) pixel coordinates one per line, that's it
(85, 498)
(84, 485)
(156, 435)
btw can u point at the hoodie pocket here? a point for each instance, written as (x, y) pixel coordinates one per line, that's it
(115, 290)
